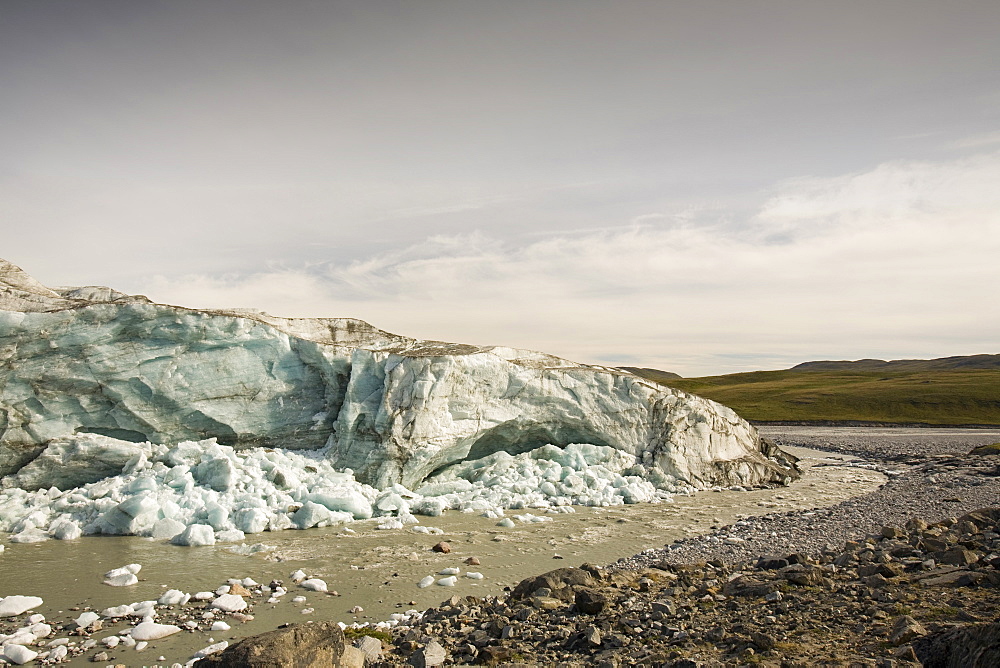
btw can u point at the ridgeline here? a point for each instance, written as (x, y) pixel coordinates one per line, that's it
(949, 391)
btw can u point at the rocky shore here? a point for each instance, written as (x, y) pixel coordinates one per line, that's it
(907, 575)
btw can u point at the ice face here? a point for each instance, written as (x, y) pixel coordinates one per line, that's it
(121, 416)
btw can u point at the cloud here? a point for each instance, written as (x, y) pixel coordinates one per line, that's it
(979, 141)
(897, 261)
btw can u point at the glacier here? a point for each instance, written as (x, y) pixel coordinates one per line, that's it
(120, 415)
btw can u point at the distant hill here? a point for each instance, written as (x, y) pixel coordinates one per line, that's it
(651, 374)
(939, 364)
(945, 391)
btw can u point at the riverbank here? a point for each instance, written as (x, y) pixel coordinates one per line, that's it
(840, 496)
(903, 575)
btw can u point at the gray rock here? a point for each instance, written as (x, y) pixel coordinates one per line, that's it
(559, 582)
(591, 601)
(969, 646)
(432, 654)
(372, 648)
(352, 658)
(309, 645)
(905, 629)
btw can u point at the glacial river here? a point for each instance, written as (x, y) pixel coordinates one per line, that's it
(378, 570)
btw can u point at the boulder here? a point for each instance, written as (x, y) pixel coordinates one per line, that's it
(308, 645)
(559, 582)
(591, 601)
(968, 646)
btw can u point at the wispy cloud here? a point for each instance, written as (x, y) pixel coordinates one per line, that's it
(896, 261)
(979, 141)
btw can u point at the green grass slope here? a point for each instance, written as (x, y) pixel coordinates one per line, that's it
(930, 393)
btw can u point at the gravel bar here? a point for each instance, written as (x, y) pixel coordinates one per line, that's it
(930, 476)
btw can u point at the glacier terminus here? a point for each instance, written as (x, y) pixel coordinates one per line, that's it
(123, 416)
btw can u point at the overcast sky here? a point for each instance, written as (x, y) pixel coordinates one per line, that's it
(702, 187)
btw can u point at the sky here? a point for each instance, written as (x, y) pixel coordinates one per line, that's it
(703, 187)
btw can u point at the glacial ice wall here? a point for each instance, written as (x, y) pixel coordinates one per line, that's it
(393, 410)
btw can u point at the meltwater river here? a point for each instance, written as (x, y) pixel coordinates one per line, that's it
(377, 570)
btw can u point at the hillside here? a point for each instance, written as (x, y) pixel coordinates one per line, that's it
(945, 391)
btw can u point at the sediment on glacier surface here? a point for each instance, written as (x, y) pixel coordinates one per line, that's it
(137, 378)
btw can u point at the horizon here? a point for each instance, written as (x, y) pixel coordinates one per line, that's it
(702, 188)
(808, 361)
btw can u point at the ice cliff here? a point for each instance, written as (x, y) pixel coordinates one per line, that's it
(128, 378)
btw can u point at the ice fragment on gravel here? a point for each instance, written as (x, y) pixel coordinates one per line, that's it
(426, 582)
(220, 626)
(117, 611)
(449, 571)
(15, 605)
(229, 603)
(474, 575)
(152, 631)
(448, 581)
(18, 654)
(174, 597)
(314, 584)
(86, 619)
(211, 649)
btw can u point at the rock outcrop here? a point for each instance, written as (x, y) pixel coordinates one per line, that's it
(392, 409)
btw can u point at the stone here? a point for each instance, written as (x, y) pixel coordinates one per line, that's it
(966, 645)
(748, 587)
(905, 629)
(442, 547)
(309, 645)
(432, 654)
(957, 556)
(802, 574)
(548, 603)
(958, 578)
(892, 532)
(590, 601)
(352, 658)
(771, 563)
(372, 648)
(239, 590)
(762, 641)
(592, 635)
(559, 581)
(876, 581)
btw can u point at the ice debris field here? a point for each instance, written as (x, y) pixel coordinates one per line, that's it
(204, 612)
(202, 493)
